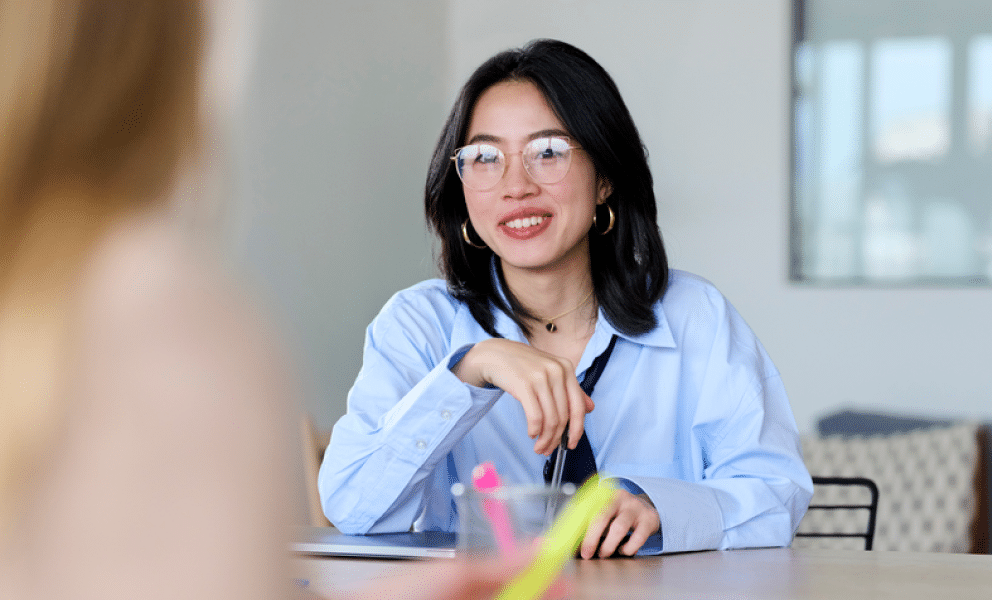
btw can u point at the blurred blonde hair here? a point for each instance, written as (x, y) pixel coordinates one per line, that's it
(98, 112)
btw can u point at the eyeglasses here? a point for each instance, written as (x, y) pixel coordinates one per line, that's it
(546, 160)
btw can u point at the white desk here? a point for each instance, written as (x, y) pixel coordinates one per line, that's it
(773, 574)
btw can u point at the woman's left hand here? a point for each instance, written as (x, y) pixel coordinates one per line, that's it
(627, 514)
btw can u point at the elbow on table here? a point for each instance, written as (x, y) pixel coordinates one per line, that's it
(347, 527)
(351, 526)
(344, 516)
(340, 506)
(344, 511)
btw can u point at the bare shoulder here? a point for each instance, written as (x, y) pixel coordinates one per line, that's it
(179, 402)
(146, 272)
(158, 316)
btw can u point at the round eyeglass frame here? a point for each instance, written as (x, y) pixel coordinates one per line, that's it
(503, 161)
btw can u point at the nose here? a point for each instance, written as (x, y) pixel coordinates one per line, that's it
(517, 183)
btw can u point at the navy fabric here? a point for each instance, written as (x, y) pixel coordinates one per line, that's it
(850, 423)
(580, 464)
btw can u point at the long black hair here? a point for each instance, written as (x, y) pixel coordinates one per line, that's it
(629, 266)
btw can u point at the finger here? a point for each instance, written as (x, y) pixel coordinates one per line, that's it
(551, 424)
(617, 531)
(578, 403)
(594, 533)
(550, 382)
(532, 411)
(647, 521)
(498, 364)
(637, 538)
(562, 402)
(590, 543)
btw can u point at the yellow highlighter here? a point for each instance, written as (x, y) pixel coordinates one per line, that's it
(561, 541)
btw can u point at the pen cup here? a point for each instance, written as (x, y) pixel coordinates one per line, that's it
(506, 519)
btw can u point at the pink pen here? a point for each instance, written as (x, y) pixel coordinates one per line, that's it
(485, 479)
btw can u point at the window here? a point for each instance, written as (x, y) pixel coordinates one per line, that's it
(892, 164)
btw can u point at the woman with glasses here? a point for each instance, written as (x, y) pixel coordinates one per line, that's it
(554, 271)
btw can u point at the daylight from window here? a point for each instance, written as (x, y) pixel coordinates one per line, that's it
(893, 160)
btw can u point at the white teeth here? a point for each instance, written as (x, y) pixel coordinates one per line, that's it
(525, 222)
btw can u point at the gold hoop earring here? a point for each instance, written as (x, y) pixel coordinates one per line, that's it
(595, 224)
(467, 239)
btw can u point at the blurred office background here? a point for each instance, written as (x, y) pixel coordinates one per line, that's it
(346, 99)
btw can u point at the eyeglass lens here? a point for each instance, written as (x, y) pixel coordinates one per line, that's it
(546, 160)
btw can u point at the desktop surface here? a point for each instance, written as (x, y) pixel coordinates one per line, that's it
(765, 574)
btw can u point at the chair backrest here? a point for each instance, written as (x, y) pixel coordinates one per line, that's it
(313, 446)
(932, 489)
(835, 513)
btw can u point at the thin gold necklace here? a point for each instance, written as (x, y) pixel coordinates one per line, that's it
(549, 323)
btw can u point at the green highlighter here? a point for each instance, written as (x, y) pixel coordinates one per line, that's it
(561, 542)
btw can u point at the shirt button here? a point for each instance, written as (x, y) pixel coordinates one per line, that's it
(421, 445)
(446, 415)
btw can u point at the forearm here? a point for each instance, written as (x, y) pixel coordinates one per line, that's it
(743, 512)
(378, 463)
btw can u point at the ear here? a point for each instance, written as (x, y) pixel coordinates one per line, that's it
(604, 190)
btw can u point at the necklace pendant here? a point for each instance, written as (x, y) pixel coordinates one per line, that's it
(551, 327)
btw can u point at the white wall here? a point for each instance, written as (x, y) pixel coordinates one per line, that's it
(708, 84)
(328, 228)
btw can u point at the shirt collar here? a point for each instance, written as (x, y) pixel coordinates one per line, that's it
(660, 337)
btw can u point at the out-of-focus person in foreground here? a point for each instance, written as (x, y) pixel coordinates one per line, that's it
(144, 404)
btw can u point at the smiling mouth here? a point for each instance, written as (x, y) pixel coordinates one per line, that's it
(525, 222)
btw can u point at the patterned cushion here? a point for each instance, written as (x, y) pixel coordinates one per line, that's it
(926, 484)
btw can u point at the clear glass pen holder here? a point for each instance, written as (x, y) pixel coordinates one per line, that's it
(507, 519)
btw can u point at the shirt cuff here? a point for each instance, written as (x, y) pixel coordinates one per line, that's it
(690, 514)
(628, 485)
(457, 356)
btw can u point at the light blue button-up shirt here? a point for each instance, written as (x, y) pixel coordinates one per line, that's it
(692, 413)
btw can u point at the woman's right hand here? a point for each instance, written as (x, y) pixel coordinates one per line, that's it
(544, 384)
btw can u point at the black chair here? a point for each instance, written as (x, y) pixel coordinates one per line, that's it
(872, 507)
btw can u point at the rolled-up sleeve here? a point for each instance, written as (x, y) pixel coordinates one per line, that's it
(739, 480)
(406, 411)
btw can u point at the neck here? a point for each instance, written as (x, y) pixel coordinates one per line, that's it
(548, 294)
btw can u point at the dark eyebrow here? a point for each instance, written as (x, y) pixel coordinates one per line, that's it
(492, 139)
(548, 133)
(483, 137)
